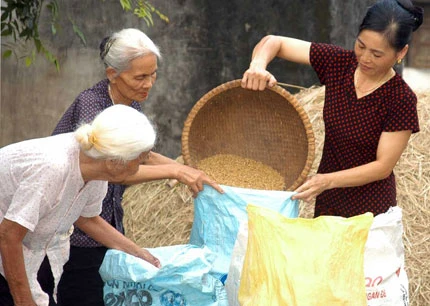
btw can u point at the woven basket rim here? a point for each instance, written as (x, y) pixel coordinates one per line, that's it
(279, 90)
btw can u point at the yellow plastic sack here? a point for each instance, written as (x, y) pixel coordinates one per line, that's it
(304, 262)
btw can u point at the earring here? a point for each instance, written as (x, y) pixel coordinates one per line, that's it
(399, 61)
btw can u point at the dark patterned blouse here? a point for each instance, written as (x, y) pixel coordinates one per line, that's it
(84, 109)
(353, 128)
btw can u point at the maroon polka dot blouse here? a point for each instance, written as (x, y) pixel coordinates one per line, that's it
(353, 128)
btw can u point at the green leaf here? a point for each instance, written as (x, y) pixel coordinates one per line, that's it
(6, 32)
(7, 53)
(53, 6)
(57, 65)
(143, 13)
(28, 61)
(149, 19)
(78, 32)
(4, 15)
(15, 24)
(140, 12)
(126, 5)
(38, 44)
(50, 57)
(147, 6)
(162, 16)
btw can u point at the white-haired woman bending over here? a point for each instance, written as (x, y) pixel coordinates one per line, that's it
(50, 184)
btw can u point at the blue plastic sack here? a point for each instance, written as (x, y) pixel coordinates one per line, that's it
(183, 279)
(217, 218)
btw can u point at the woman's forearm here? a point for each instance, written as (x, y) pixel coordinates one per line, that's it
(101, 231)
(271, 46)
(390, 148)
(148, 173)
(11, 236)
(156, 167)
(353, 177)
(358, 176)
(265, 51)
(158, 159)
(15, 274)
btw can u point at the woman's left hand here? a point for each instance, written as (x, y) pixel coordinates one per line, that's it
(195, 179)
(147, 256)
(313, 186)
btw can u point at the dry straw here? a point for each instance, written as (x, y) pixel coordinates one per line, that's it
(157, 215)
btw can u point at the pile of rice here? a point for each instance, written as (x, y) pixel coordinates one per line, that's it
(159, 215)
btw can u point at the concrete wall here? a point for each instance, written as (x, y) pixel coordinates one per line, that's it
(206, 43)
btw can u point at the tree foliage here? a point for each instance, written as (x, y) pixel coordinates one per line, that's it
(20, 21)
(144, 10)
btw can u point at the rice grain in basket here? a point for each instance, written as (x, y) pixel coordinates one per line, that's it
(237, 171)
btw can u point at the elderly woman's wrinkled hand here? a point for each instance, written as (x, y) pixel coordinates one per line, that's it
(147, 256)
(195, 179)
(313, 186)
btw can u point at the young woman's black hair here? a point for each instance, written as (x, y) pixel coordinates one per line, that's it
(395, 19)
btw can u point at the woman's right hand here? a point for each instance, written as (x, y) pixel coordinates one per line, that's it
(257, 77)
(312, 187)
(295, 50)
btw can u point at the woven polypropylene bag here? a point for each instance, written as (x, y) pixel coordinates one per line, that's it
(217, 218)
(304, 262)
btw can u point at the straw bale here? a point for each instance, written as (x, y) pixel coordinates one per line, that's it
(413, 182)
(156, 215)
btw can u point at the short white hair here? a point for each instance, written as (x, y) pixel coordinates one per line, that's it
(119, 132)
(118, 50)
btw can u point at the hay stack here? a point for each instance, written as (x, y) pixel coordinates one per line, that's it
(156, 215)
(413, 182)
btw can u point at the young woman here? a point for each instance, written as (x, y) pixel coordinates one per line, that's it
(369, 111)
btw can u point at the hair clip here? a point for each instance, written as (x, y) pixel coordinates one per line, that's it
(93, 140)
(107, 47)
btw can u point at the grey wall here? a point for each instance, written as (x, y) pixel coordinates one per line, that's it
(206, 43)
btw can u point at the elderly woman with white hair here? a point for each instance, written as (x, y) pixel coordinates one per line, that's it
(131, 61)
(49, 184)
